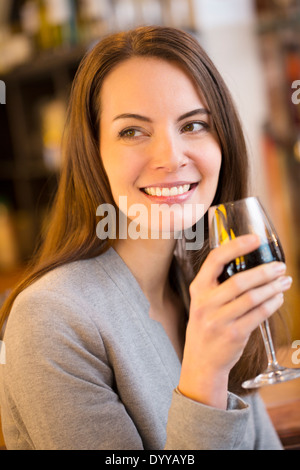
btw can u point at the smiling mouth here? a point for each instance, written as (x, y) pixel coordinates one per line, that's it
(168, 191)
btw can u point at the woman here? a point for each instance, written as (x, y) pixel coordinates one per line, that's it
(115, 342)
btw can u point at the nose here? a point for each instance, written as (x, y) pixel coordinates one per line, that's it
(168, 153)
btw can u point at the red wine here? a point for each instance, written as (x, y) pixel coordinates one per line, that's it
(264, 254)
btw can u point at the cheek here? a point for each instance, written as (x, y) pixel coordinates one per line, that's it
(122, 173)
(209, 161)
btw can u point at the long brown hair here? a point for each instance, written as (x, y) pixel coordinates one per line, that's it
(83, 186)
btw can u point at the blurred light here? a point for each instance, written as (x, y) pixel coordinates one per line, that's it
(283, 3)
(297, 150)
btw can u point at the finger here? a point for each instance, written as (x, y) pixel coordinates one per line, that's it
(247, 323)
(253, 298)
(216, 260)
(247, 280)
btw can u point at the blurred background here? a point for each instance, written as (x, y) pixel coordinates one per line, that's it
(254, 43)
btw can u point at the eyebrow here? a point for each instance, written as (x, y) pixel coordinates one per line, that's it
(146, 119)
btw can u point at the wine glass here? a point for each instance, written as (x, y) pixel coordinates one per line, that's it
(228, 221)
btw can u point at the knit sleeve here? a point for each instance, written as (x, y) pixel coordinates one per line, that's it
(193, 425)
(265, 434)
(244, 425)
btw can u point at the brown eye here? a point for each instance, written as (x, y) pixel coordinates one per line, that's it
(189, 128)
(192, 127)
(130, 133)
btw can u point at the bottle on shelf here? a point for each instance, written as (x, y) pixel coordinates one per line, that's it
(52, 114)
(8, 246)
(95, 18)
(30, 20)
(44, 39)
(61, 21)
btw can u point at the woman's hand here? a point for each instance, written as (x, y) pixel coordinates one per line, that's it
(222, 317)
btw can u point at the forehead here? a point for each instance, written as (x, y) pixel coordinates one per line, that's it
(148, 82)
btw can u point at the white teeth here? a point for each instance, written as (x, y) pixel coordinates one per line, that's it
(174, 191)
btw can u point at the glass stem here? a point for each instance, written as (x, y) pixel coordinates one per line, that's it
(267, 337)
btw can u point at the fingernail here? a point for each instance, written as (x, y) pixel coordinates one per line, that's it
(280, 296)
(285, 282)
(252, 238)
(279, 268)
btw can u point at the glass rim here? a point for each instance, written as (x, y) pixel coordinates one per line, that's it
(212, 209)
(236, 201)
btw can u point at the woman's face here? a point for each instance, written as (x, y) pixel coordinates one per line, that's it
(157, 142)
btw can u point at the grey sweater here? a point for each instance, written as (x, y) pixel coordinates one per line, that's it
(86, 368)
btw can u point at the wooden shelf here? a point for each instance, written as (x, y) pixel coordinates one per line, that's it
(283, 405)
(44, 63)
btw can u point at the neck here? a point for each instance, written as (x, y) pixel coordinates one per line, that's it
(149, 261)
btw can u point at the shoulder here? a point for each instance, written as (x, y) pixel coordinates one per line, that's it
(86, 301)
(55, 315)
(73, 283)
(66, 294)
